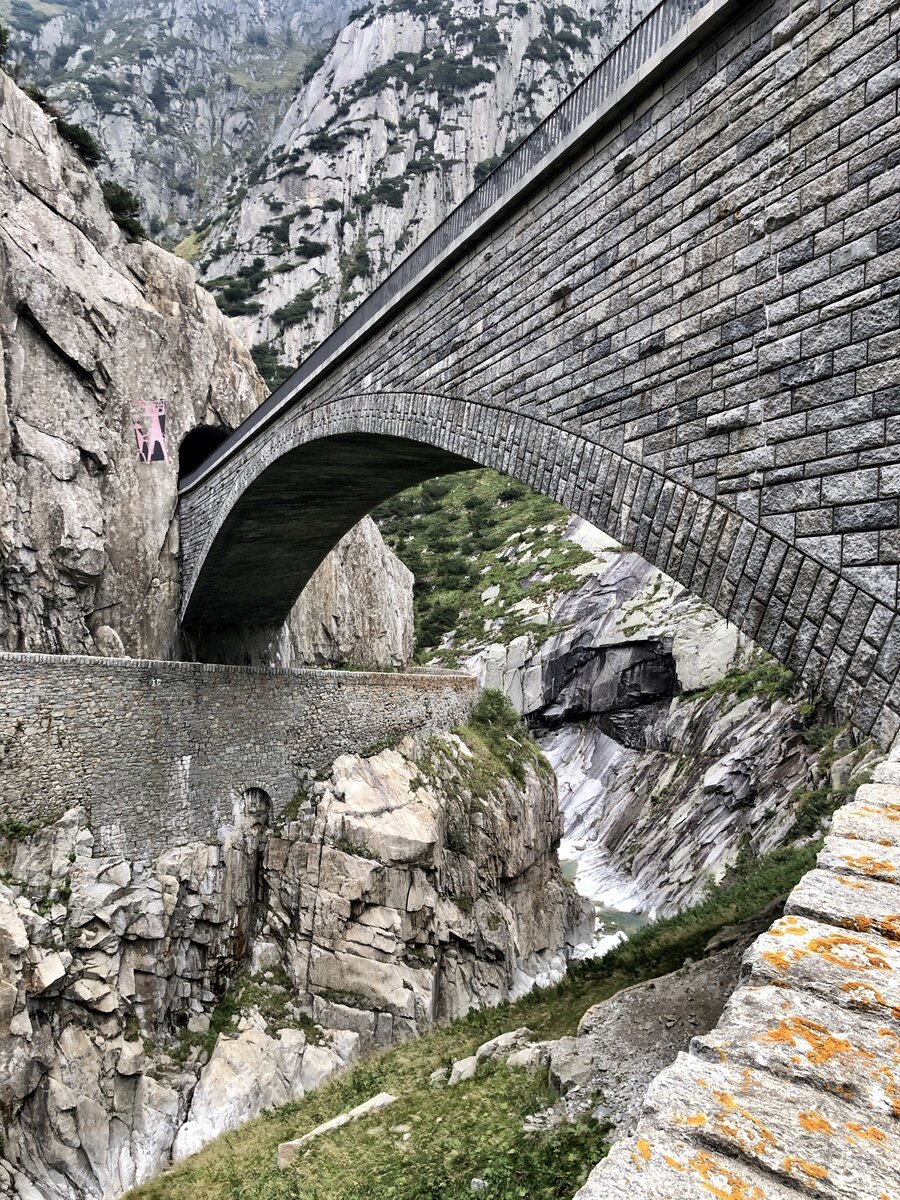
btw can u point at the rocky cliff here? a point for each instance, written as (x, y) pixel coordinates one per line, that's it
(147, 1006)
(182, 94)
(680, 751)
(412, 106)
(112, 358)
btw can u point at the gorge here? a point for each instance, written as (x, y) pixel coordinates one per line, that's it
(242, 895)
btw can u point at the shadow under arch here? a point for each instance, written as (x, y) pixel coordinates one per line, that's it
(278, 511)
(256, 523)
(197, 445)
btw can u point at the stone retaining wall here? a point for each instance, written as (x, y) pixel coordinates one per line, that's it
(163, 752)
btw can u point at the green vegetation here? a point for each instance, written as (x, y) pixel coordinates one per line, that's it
(125, 207)
(815, 806)
(473, 1130)
(273, 371)
(82, 142)
(463, 534)
(298, 308)
(14, 829)
(271, 992)
(233, 292)
(4, 42)
(763, 677)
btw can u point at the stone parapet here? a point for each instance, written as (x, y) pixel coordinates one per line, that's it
(797, 1089)
(161, 753)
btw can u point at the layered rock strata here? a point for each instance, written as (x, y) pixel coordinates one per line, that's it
(147, 1006)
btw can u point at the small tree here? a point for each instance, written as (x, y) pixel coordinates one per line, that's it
(125, 207)
(4, 42)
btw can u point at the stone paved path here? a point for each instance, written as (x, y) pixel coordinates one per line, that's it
(796, 1092)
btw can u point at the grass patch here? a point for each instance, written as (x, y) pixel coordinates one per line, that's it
(762, 677)
(474, 1130)
(463, 534)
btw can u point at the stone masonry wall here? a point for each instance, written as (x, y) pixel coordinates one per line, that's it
(161, 753)
(690, 337)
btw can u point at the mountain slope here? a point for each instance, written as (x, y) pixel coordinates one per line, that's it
(181, 93)
(412, 106)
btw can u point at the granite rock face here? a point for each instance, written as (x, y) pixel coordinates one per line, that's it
(182, 94)
(112, 357)
(399, 893)
(409, 109)
(663, 783)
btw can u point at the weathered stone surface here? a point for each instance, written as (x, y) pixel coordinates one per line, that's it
(162, 753)
(700, 779)
(796, 1090)
(287, 1151)
(322, 920)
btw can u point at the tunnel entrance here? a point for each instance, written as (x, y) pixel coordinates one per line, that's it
(197, 445)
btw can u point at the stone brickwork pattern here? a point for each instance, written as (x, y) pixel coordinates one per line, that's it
(689, 335)
(796, 1092)
(163, 753)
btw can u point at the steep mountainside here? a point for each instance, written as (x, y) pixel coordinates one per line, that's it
(181, 93)
(112, 357)
(410, 108)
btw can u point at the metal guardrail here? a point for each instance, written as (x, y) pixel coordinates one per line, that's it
(636, 49)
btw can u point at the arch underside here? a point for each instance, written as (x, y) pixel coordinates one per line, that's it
(256, 532)
(297, 510)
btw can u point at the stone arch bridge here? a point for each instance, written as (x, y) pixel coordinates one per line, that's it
(674, 309)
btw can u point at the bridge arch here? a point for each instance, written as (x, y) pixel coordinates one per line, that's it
(659, 311)
(307, 480)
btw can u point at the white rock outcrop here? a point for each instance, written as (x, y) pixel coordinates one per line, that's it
(146, 1007)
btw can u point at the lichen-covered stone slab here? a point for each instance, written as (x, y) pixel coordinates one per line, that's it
(863, 905)
(660, 1167)
(796, 1092)
(873, 816)
(802, 1038)
(851, 969)
(801, 1135)
(870, 860)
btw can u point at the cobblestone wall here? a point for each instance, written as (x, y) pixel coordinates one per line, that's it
(689, 336)
(161, 753)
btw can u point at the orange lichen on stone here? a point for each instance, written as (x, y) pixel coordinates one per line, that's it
(787, 927)
(860, 985)
(721, 1183)
(890, 926)
(861, 922)
(672, 1162)
(867, 865)
(851, 953)
(856, 884)
(823, 1045)
(765, 1139)
(779, 960)
(810, 1170)
(695, 1121)
(814, 1122)
(870, 1134)
(643, 1149)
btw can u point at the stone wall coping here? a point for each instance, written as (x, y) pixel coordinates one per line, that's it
(420, 677)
